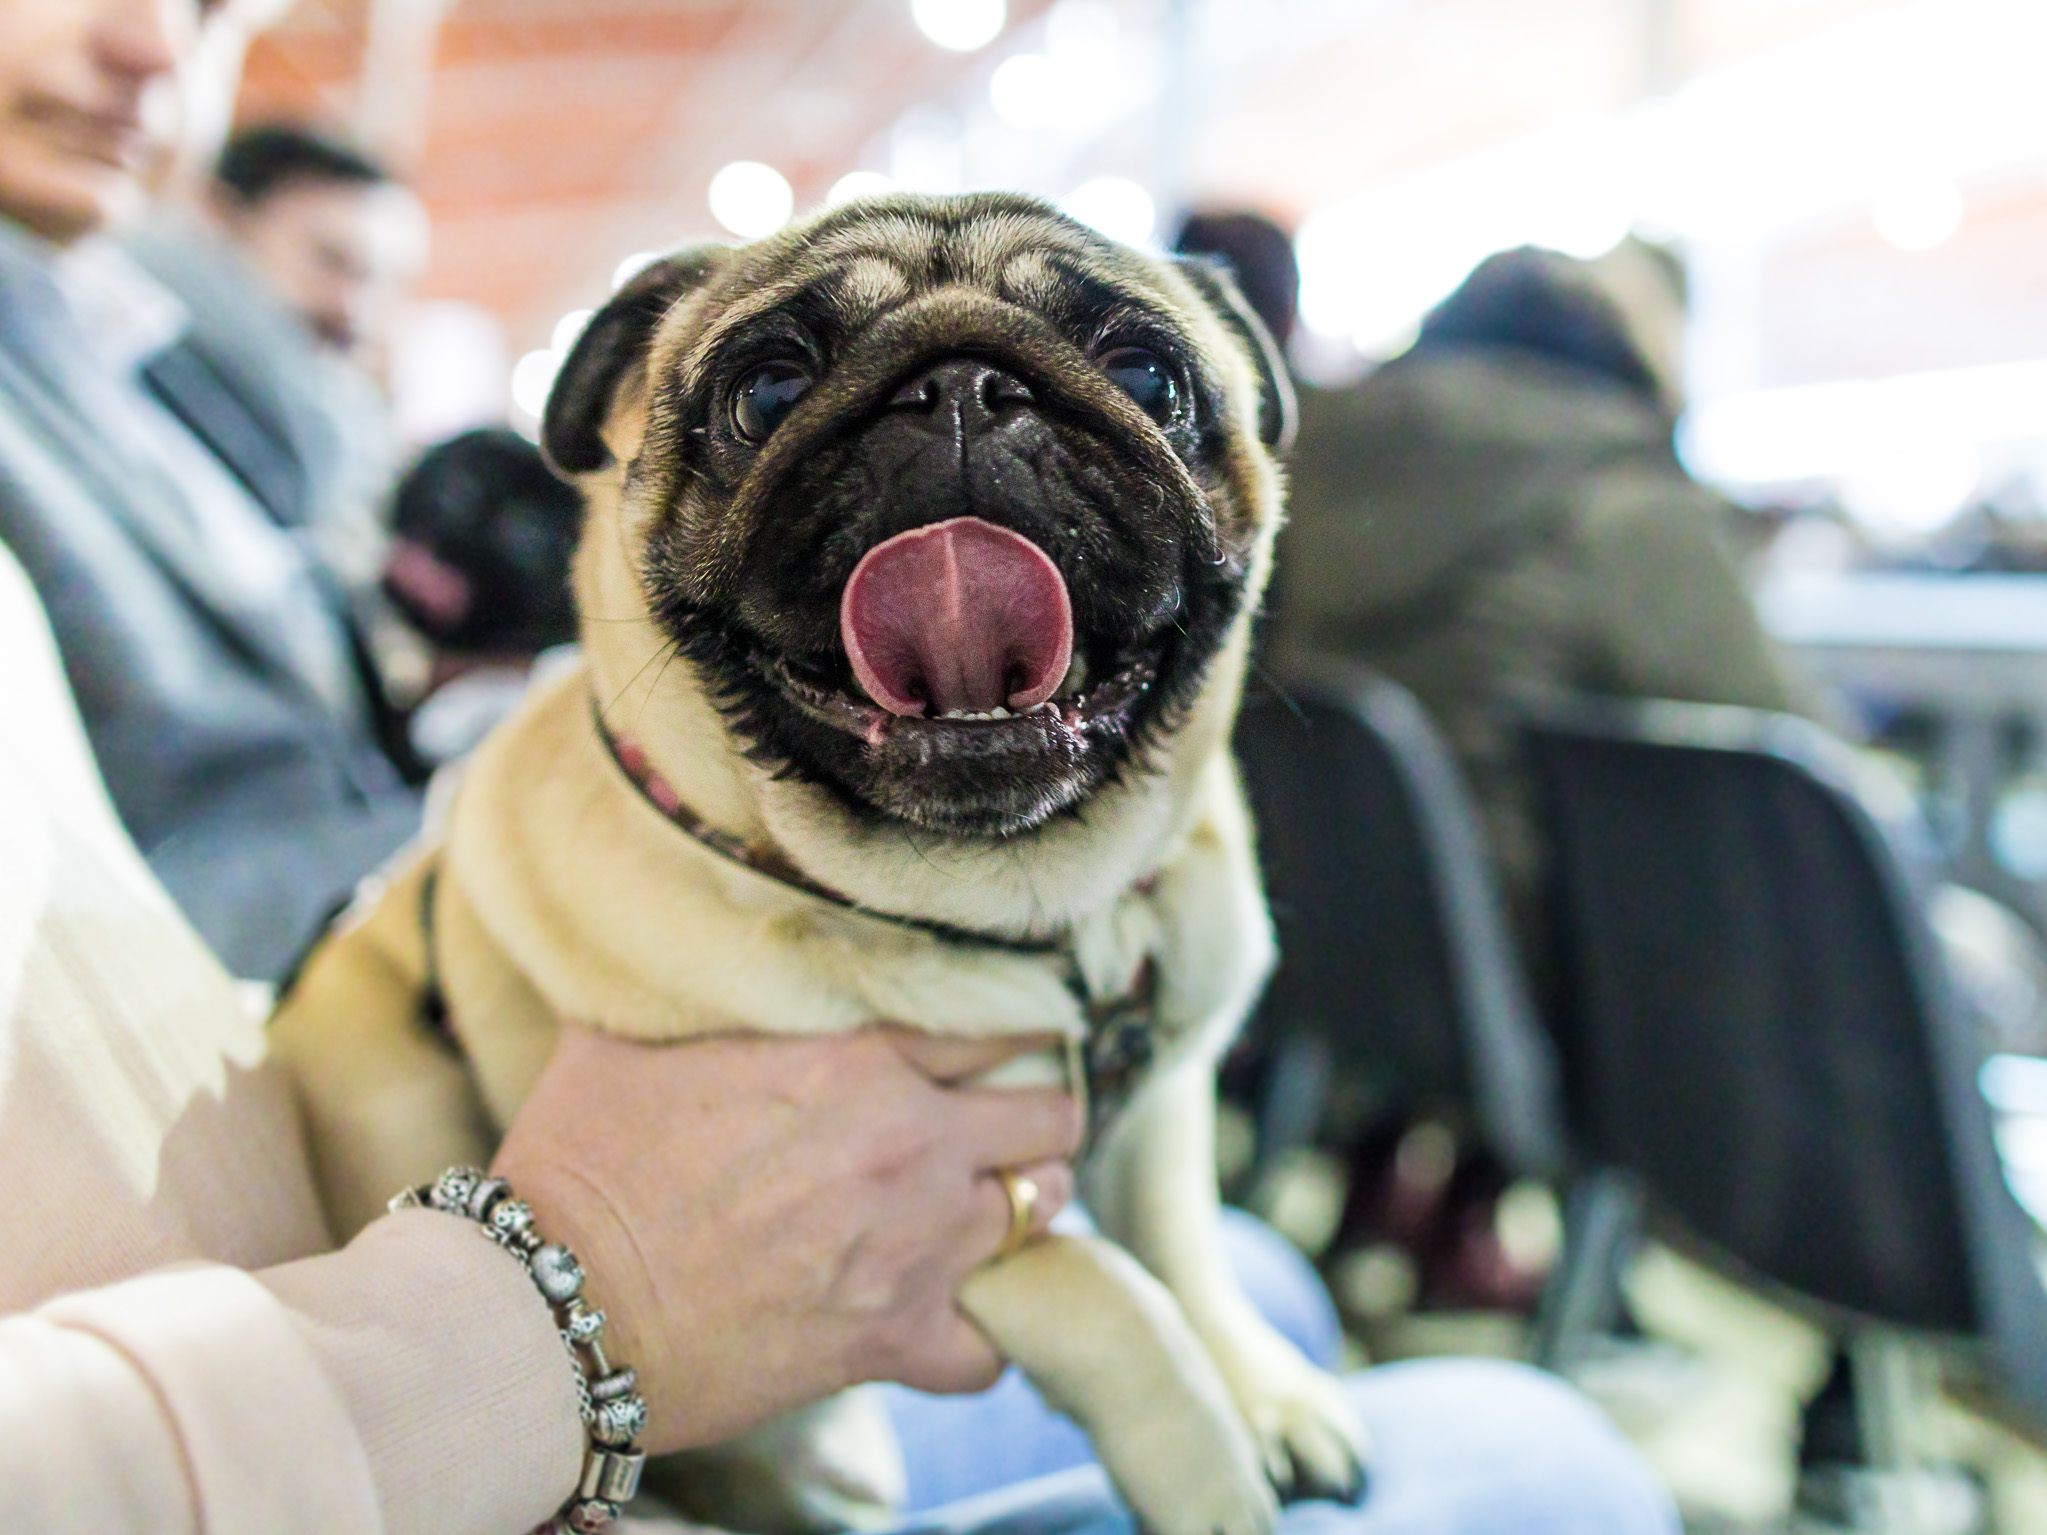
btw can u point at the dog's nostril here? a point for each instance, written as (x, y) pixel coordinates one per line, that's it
(962, 388)
(918, 394)
(999, 389)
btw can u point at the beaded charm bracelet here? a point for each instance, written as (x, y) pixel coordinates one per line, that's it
(607, 1395)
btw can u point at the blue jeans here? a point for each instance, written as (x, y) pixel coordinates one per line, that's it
(1459, 1447)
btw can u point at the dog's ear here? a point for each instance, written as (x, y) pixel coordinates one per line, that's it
(1277, 412)
(607, 355)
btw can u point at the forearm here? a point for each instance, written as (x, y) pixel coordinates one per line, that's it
(411, 1382)
(455, 1379)
(85, 1443)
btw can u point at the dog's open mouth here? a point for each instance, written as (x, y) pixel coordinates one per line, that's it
(957, 618)
(960, 635)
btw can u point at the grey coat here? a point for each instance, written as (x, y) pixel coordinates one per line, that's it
(256, 791)
(1487, 527)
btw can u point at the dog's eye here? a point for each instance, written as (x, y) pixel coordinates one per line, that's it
(765, 396)
(1145, 377)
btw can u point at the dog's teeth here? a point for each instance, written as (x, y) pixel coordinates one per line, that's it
(997, 713)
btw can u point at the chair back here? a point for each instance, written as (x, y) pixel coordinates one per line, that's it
(1754, 1019)
(1394, 949)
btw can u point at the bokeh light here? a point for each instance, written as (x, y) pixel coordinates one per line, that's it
(961, 25)
(859, 184)
(1115, 205)
(751, 199)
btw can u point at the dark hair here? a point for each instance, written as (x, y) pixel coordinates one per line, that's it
(259, 162)
(483, 536)
(1258, 253)
(1539, 301)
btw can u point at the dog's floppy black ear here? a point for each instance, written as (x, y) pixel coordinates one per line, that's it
(617, 337)
(1277, 413)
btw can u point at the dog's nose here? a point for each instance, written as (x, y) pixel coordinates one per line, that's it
(962, 396)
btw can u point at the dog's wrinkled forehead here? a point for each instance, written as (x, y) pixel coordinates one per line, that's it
(847, 269)
(914, 275)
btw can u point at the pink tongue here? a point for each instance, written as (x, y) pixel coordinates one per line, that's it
(960, 615)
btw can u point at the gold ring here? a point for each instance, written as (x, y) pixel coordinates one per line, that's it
(1023, 1205)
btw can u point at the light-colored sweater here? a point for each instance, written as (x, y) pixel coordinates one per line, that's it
(180, 1350)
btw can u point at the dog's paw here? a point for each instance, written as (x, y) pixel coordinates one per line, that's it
(1313, 1444)
(1307, 1432)
(1200, 1476)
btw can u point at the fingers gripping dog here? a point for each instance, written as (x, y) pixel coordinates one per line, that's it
(921, 550)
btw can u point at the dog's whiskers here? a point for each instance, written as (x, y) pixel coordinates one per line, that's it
(922, 856)
(674, 649)
(626, 687)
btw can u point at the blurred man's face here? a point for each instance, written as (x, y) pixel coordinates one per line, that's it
(342, 254)
(87, 103)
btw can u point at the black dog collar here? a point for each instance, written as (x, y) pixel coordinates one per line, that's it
(657, 791)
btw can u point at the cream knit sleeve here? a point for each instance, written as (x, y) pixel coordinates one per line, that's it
(409, 1383)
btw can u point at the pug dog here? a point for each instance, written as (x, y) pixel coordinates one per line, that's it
(923, 542)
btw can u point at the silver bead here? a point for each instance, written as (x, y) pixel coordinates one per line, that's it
(620, 1422)
(620, 1382)
(611, 1476)
(592, 1516)
(486, 1193)
(453, 1188)
(558, 1274)
(511, 1218)
(583, 1326)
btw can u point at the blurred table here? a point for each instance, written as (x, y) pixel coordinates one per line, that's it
(1962, 657)
(1976, 639)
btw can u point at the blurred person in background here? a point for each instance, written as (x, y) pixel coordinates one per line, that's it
(1499, 516)
(339, 238)
(482, 538)
(293, 264)
(142, 485)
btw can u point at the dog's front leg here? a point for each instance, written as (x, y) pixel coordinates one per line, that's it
(1105, 1344)
(1155, 1192)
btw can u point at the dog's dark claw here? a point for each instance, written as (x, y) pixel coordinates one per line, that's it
(1354, 1491)
(1304, 1484)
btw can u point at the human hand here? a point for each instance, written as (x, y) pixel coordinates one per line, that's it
(769, 1219)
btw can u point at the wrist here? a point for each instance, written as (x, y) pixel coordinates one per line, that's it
(610, 1405)
(576, 1212)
